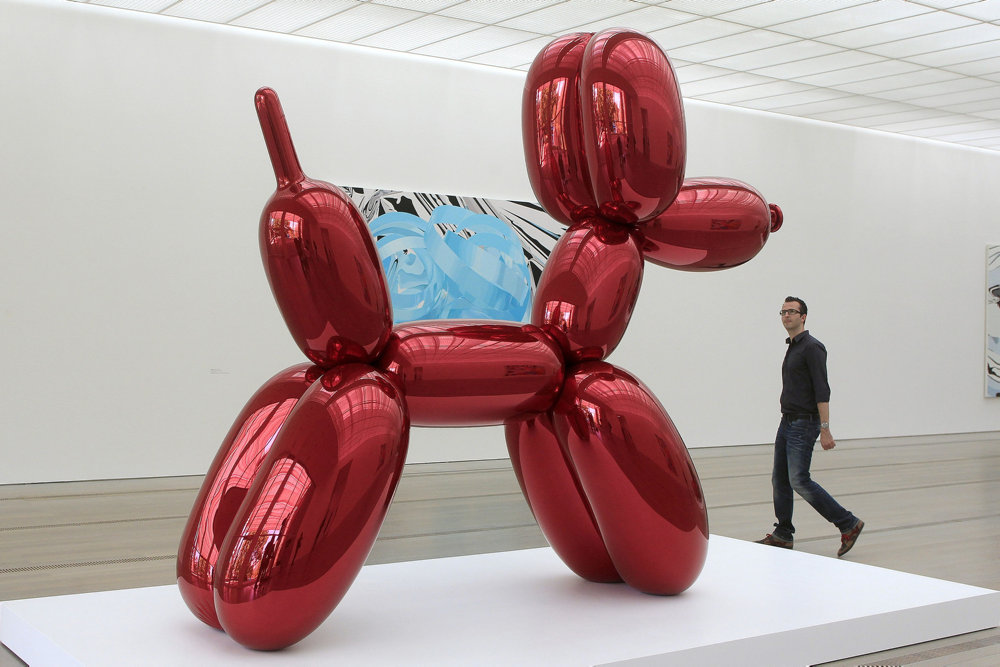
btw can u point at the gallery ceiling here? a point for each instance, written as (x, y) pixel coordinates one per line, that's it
(925, 68)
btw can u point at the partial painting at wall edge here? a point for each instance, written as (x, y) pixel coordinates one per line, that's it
(993, 321)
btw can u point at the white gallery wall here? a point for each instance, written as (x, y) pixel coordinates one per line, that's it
(136, 318)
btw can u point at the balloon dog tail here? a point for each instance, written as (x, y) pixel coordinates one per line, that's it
(278, 139)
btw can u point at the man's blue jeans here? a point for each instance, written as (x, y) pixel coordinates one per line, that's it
(793, 450)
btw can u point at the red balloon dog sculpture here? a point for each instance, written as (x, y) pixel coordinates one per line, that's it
(293, 502)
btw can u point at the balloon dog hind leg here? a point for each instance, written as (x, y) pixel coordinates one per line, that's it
(225, 487)
(312, 515)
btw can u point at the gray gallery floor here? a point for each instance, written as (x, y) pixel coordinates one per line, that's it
(931, 505)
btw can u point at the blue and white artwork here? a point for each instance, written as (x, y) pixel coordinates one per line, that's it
(993, 321)
(451, 257)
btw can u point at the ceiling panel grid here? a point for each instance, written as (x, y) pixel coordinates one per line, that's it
(927, 68)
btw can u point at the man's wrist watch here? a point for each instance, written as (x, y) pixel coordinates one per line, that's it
(824, 425)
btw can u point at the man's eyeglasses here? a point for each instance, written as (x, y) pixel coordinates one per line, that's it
(789, 311)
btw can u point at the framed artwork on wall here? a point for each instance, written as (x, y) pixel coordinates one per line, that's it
(993, 321)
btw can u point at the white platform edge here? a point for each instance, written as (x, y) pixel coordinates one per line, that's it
(838, 641)
(28, 642)
(526, 608)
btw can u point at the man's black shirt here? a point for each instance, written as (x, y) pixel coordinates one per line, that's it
(803, 376)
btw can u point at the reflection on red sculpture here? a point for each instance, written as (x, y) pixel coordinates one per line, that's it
(588, 289)
(552, 130)
(319, 257)
(472, 373)
(311, 517)
(715, 223)
(294, 500)
(228, 479)
(633, 125)
(635, 471)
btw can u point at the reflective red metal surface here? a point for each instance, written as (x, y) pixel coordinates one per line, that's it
(777, 217)
(715, 223)
(588, 290)
(225, 486)
(553, 492)
(552, 132)
(597, 457)
(469, 373)
(633, 125)
(312, 514)
(319, 257)
(637, 475)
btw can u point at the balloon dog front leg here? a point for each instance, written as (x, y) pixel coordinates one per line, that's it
(606, 473)
(551, 486)
(611, 483)
(637, 475)
(584, 301)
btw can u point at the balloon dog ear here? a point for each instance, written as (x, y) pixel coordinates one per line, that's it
(603, 127)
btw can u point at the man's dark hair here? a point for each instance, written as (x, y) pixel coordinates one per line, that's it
(803, 308)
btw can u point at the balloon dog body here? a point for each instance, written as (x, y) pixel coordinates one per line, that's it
(293, 502)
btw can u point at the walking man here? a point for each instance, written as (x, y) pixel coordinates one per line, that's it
(805, 414)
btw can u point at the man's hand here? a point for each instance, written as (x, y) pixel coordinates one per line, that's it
(826, 439)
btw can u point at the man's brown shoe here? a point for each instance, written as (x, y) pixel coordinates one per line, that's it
(772, 541)
(848, 539)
